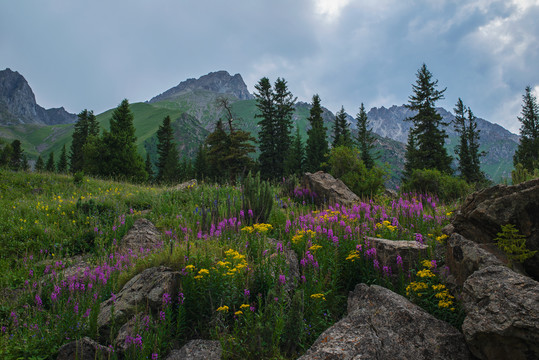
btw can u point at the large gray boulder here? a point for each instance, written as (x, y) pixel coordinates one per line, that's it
(502, 310)
(83, 349)
(197, 350)
(384, 325)
(143, 291)
(328, 189)
(143, 235)
(411, 252)
(483, 213)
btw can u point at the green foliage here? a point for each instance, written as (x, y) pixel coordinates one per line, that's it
(513, 244)
(432, 181)
(520, 174)
(62, 162)
(168, 157)
(149, 168)
(85, 127)
(341, 130)
(425, 148)
(78, 178)
(346, 164)
(40, 164)
(365, 138)
(50, 167)
(257, 197)
(527, 152)
(317, 144)
(295, 162)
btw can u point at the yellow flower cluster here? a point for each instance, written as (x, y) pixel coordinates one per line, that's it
(223, 308)
(259, 228)
(354, 254)
(318, 296)
(427, 264)
(245, 306)
(425, 273)
(315, 247)
(385, 224)
(299, 235)
(232, 257)
(416, 287)
(441, 238)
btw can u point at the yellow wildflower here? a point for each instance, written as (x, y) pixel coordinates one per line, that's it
(238, 313)
(203, 272)
(190, 267)
(425, 273)
(318, 296)
(245, 306)
(223, 308)
(315, 247)
(427, 264)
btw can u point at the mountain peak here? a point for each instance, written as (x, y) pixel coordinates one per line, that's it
(219, 81)
(18, 103)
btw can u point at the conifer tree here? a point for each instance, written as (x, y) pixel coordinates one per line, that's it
(85, 127)
(50, 167)
(24, 164)
(317, 144)
(527, 152)
(168, 157)
(40, 164)
(476, 175)
(200, 167)
(5, 156)
(341, 130)
(149, 167)
(275, 111)
(462, 150)
(365, 139)
(427, 138)
(62, 162)
(296, 156)
(15, 162)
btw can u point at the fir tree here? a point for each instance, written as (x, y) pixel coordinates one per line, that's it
(476, 175)
(24, 164)
(85, 127)
(200, 167)
(15, 162)
(5, 158)
(40, 164)
(317, 144)
(527, 152)
(462, 150)
(168, 157)
(149, 167)
(341, 130)
(296, 156)
(427, 137)
(275, 111)
(62, 162)
(365, 139)
(50, 167)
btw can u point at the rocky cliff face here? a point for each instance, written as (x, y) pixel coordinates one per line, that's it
(18, 104)
(218, 82)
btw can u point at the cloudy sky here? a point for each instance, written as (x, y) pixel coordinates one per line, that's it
(92, 54)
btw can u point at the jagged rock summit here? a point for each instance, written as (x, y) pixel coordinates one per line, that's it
(18, 104)
(220, 82)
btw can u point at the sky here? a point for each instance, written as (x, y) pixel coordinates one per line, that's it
(92, 54)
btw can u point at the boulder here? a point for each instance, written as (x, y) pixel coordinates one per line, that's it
(197, 350)
(502, 320)
(483, 213)
(83, 349)
(384, 325)
(143, 291)
(328, 189)
(143, 234)
(411, 252)
(186, 185)
(464, 257)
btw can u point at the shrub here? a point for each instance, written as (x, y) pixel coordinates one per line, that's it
(346, 164)
(257, 198)
(432, 181)
(513, 244)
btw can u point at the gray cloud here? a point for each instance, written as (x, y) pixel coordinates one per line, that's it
(93, 54)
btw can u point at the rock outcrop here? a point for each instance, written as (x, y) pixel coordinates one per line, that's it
(410, 252)
(484, 213)
(328, 189)
(143, 291)
(502, 310)
(143, 235)
(384, 325)
(197, 350)
(83, 349)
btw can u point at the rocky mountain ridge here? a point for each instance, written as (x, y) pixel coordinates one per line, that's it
(18, 104)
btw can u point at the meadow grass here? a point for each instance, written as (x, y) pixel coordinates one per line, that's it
(236, 286)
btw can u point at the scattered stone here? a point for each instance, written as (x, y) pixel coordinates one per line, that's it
(126, 330)
(83, 349)
(384, 325)
(143, 234)
(484, 212)
(464, 257)
(411, 252)
(143, 291)
(198, 350)
(187, 184)
(328, 189)
(502, 310)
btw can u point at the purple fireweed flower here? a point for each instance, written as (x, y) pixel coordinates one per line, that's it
(282, 279)
(419, 238)
(155, 356)
(181, 298)
(376, 264)
(242, 213)
(399, 261)
(167, 299)
(246, 293)
(387, 270)
(434, 264)
(250, 213)
(113, 297)
(87, 313)
(162, 315)
(76, 308)
(39, 303)
(252, 308)
(279, 247)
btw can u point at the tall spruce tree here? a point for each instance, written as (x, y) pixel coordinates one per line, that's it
(15, 162)
(462, 149)
(168, 158)
(40, 164)
(218, 143)
(200, 167)
(427, 138)
(365, 138)
(62, 161)
(5, 155)
(115, 153)
(85, 127)
(527, 153)
(295, 160)
(275, 111)
(50, 167)
(24, 164)
(317, 143)
(476, 175)
(341, 130)
(149, 168)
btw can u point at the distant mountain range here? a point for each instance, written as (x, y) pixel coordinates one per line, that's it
(192, 107)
